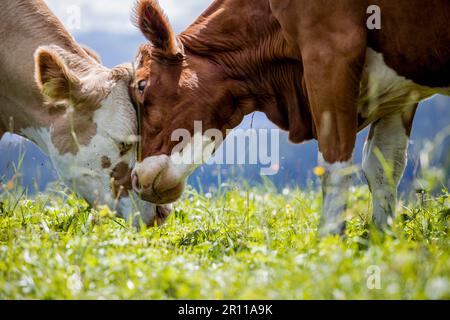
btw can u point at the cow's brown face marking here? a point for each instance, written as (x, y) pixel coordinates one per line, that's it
(106, 162)
(121, 178)
(72, 132)
(125, 148)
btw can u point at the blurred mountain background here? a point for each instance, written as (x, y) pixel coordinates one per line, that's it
(104, 25)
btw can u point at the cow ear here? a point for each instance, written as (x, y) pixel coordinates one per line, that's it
(53, 77)
(154, 24)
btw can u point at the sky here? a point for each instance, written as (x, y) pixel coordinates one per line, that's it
(113, 16)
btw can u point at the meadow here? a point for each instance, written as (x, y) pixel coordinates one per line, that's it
(238, 243)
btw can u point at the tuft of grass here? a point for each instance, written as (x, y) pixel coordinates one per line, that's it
(249, 243)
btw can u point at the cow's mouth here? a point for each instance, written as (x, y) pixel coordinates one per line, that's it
(153, 193)
(162, 213)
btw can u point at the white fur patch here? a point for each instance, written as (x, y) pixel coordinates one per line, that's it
(390, 139)
(138, 61)
(335, 186)
(382, 89)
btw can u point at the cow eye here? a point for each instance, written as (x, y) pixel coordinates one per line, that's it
(141, 86)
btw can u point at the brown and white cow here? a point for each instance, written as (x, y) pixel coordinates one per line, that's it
(57, 94)
(313, 67)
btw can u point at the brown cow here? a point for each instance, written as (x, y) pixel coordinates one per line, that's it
(57, 94)
(313, 67)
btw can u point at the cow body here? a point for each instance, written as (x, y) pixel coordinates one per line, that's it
(398, 71)
(313, 67)
(58, 95)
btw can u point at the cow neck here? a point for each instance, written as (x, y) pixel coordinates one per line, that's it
(251, 49)
(21, 103)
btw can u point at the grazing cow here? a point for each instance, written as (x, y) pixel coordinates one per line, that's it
(313, 67)
(77, 111)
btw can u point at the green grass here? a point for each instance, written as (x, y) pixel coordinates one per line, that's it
(236, 244)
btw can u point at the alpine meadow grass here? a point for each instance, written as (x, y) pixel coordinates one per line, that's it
(235, 244)
(238, 242)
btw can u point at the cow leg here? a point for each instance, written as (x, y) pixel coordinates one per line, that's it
(332, 76)
(332, 39)
(384, 161)
(333, 89)
(335, 184)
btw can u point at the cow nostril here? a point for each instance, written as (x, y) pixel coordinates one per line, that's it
(135, 183)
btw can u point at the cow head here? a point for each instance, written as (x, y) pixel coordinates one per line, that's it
(174, 89)
(92, 135)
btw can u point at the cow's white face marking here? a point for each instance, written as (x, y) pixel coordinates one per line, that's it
(158, 174)
(138, 61)
(335, 185)
(84, 171)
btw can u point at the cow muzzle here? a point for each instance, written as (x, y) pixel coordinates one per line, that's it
(158, 181)
(142, 213)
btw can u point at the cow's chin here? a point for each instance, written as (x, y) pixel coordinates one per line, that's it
(160, 197)
(158, 180)
(143, 213)
(162, 212)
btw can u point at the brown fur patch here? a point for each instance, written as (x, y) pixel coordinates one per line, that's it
(106, 162)
(125, 148)
(72, 131)
(37, 18)
(417, 51)
(121, 175)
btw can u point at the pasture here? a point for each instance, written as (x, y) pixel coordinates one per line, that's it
(247, 243)
(307, 68)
